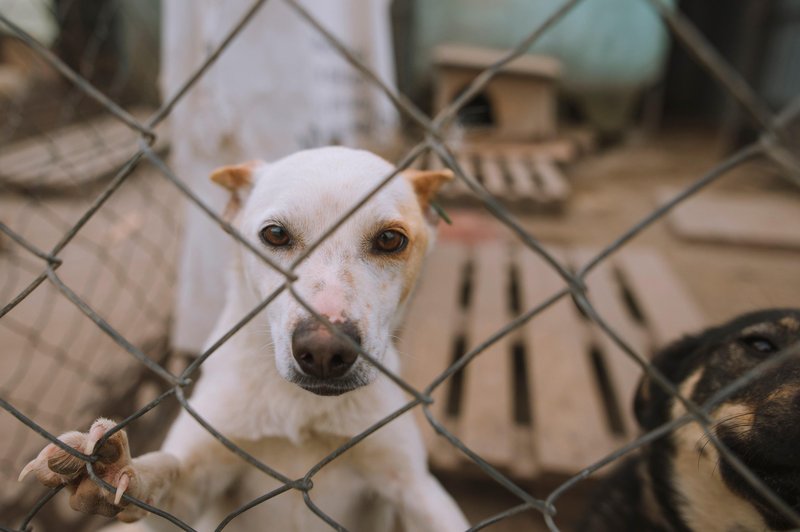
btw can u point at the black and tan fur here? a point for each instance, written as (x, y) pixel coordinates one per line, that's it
(680, 482)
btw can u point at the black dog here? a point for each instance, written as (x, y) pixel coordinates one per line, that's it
(680, 482)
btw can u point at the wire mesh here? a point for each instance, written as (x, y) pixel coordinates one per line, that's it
(63, 257)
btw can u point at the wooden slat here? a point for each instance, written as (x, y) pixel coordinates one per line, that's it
(560, 150)
(758, 220)
(426, 344)
(606, 297)
(522, 182)
(553, 183)
(568, 419)
(668, 308)
(486, 423)
(479, 58)
(493, 178)
(459, 187)
(525, 463)
(508, 172)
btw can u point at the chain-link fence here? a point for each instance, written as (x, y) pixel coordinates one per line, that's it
(53, 276)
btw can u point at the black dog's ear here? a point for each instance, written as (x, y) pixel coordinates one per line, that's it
(651, 402)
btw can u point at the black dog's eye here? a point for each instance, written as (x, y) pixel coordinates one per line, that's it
(275, 235)
(759, 343)
(389, 241)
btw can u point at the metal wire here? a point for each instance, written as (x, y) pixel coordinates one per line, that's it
(772, 145)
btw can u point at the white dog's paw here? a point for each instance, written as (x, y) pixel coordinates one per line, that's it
(54, 466)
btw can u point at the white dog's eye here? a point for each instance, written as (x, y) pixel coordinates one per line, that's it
(275, 235)
(389, 241)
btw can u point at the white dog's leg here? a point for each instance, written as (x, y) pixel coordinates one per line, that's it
(395, 461)
(205, 469)
(427, 506)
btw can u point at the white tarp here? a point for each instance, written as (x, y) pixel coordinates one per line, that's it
(278, 88)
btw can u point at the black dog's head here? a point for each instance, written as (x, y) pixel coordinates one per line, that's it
(760, 423)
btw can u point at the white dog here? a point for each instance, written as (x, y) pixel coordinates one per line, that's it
(284, 388)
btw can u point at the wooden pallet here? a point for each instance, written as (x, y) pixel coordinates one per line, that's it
(522, 175)
(745, 219)
(72, 156)
(555, 395)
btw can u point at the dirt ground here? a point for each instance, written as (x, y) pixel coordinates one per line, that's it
(612, 190)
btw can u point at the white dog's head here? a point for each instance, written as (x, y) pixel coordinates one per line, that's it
(359, 277)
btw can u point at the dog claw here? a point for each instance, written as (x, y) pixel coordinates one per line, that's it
(27, 469)
(122, 485)
(57, 465)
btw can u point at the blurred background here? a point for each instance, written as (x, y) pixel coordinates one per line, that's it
(603, 119)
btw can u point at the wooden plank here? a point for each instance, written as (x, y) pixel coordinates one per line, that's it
(606, 297)
(507, 172)
(486, 417)
(493, 178)
(479, 58)
(669, 310)
(751, 219)
(554, 186)
(459, 187)
(426, 344)
(559, 150)
(524, 464)
(570, 428)
(522, 183)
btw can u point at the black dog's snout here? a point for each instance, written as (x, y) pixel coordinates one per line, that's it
(322, 354)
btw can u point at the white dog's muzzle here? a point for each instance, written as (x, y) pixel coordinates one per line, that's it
(325, 360)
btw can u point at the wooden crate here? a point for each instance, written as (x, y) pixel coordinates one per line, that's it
(555, 395)
(519, 101)
(72, 156)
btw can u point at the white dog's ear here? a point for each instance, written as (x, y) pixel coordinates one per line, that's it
(234, 178)
(426, 184)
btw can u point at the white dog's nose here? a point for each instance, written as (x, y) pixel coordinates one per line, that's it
(320, 353)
